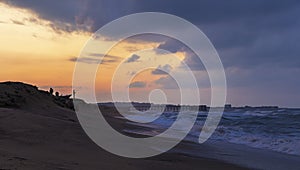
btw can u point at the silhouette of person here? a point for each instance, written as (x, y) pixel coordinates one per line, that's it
(74, 93)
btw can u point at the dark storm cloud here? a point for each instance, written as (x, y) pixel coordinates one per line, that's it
(198, 12)
(193, 62)
(207, 11)
(265, 40)
(250, 36)
(229, 24)
(172, 45)
(86, 15)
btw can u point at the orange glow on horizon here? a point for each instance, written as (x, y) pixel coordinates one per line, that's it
(33, 52)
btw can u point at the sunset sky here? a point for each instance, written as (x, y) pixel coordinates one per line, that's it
(257, 41)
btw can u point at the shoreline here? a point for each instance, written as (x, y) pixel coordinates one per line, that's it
(54, 139)
(241, 155)
(232, 153)
(39, 140)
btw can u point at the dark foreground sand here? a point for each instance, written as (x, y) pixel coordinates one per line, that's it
(46, 140)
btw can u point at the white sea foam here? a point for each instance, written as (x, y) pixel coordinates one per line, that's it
(274, 130)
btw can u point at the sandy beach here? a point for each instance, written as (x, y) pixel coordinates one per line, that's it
(40, 131)
(37, 132)
(34, 141)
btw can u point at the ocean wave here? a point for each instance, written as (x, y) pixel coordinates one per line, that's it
(284, 144)
(277, 130)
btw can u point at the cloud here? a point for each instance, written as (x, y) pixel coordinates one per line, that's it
(17, 22)
(166, 82)
(85, 60)
(172, 45)
(248, 35)
(131, 73)
(85, 15)
(100, 55)
(193, 62)
(95, 58)
(191, 59)
(234, 24)
(162, 70)
(137, 84)
(133, 58)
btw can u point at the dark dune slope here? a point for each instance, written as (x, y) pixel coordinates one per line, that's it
(29, 98)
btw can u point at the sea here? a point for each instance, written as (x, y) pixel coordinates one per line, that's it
(271, 129)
